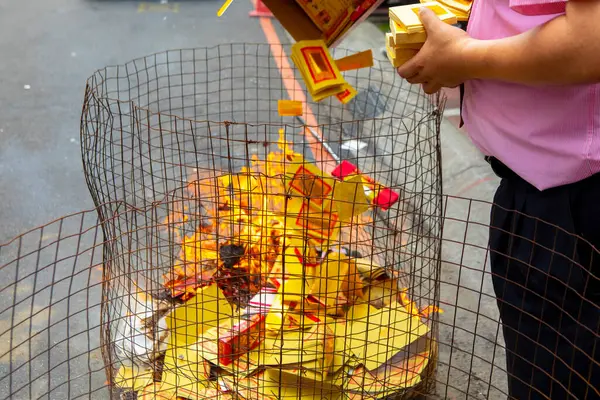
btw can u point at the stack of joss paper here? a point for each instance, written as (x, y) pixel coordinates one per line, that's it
(321, 320)
(460, 8)
(321, 73)
(407, 34)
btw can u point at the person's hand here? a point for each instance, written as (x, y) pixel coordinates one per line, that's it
(439, 63)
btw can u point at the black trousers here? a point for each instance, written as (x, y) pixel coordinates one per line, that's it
(546, 273)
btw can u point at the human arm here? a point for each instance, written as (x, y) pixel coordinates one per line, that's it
(565, 50)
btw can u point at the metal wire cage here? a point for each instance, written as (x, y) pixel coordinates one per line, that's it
(195, 277)
(52, 305)
(192, 139)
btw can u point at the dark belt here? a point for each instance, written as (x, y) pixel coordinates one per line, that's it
(500, 169)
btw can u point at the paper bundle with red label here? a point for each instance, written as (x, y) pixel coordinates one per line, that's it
(319, 205)
(320, 72)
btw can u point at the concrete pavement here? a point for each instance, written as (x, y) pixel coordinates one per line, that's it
(48, 50)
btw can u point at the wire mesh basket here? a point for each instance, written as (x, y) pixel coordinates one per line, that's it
(234, 253)
(52, 309)
(231, 195)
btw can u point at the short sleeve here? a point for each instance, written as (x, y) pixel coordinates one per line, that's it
(538, 7)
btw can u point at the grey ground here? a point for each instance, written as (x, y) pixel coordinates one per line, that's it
(53, 47)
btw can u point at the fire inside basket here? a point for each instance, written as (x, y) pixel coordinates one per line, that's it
(271, 298)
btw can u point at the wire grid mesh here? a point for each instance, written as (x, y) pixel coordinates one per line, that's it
(51, 307)
(162, 133)
(68, 283)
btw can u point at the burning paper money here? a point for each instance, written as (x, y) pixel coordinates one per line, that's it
(270, 304)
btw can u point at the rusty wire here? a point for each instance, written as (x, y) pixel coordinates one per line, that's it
(151, 127)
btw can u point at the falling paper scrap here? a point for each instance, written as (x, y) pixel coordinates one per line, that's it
(224, 7)
(268, 307)
(363, 59)
(289, 108)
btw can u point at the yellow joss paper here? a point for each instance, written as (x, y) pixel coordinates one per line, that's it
(133, 378)
(401, 35)
(382, 293)
(286, 317)
(325, 93)
(278, 384)
(460, 8)
(308, 373)
(290, 264)
(307, 180)
(461, 17)
(307, 350)
(350, 199)
(287, 341)
(457, 7)
(363, 59)
(399, 56)
(202, 394)
(377, 335)
(180, 383)
(352, 286)
(315, 60)
(389, 40)
(341, 354)
(276, 316)
(157, 391)
(347, 94)
(289, 108)
(317, 67)
(369, 269)
(330, 16)
(204, 311)
(183, 366)
(224, 8)
(317, 223)
(328, 282)
(240, 182)
(387, 379)
(408, 16)
(293, 289)
(294, 357)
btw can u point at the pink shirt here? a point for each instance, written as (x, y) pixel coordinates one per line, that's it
(549, 135)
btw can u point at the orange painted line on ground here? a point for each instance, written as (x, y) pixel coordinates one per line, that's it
(295, 92)
(474, 184)
(323, 158)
